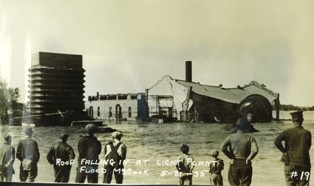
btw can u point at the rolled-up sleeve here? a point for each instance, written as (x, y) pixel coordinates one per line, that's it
(254, 148)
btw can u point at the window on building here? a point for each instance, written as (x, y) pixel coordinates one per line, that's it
(98, 111)
(130, 112)
(110, 112)
(91, 112)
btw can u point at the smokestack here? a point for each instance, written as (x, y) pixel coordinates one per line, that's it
(188, 71)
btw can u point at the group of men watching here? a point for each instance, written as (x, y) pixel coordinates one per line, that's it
(61, 155)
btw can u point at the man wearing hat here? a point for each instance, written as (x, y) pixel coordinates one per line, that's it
(28, 153)
(115, 154)
(241, 148)
(61, 156)
(296, 156)
(216, 165)
(89, 149)
(7, 157)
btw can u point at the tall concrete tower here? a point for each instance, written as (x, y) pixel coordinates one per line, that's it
(56, 87)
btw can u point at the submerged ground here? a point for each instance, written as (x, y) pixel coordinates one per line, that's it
(153, 149)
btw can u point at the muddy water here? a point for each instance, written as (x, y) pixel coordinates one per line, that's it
(153, 148)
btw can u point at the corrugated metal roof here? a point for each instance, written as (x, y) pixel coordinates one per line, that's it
(231, 95)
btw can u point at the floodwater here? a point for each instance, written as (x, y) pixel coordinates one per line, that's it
(152, 149)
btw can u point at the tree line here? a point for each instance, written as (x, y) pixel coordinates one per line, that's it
(10, 109)
(290, 107)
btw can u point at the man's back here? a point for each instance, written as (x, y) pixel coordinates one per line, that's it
(241, 145)
(297, 144)
(6, 153)
(216, 166)
(185, 163)
(64, 151)
(119, 146)
(60, 150)
(4, 147)
(89, 147)
(28, 148)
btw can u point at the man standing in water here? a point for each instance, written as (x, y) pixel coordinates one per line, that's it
(115, 154)
(7, 157)
(296, 154)
(89, 149)
(61, 156)
(185, 165)
(241, 148)
(216, 165)
(28, 153)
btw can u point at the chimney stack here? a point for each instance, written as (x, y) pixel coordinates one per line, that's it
(188, 71)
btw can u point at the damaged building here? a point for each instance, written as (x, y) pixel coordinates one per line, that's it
(186, 101)
(174, 100)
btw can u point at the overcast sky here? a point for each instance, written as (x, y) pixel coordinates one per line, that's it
(128, 45)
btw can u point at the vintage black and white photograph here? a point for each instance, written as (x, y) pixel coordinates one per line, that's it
(152, 92)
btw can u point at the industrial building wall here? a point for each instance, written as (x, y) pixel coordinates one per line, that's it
(167, 93)
(102, 108)
(91, 108)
